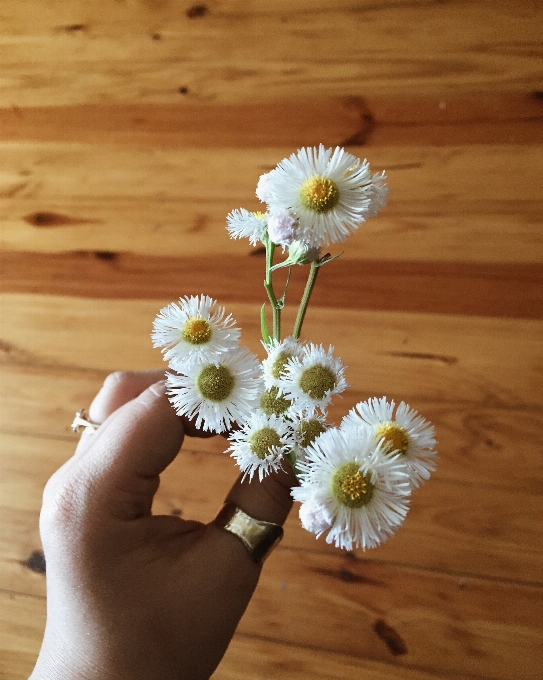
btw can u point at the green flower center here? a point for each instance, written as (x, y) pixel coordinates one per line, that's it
(351, 487)
(272, 404)
(395, 437)
(317, 381)
(279, 364)
(215, 383)
(262, 442)
(309, 430)
(196, 330)
(319, 194)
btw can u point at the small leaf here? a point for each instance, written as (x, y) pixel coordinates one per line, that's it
(327, 258)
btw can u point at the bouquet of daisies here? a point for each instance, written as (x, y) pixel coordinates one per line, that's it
(355, 478)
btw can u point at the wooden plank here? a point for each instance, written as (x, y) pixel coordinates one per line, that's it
(454, 204)
(476, 627)
(41, 402)
(463, 526)
(496, 290)
(343, 121)
(251, 658)
(278, 123)
(415, 620)
(82, 172)
(247, 658)
(229, 52)
(445, 359)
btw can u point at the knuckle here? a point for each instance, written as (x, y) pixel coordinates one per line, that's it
(119, 380)
(63, 506)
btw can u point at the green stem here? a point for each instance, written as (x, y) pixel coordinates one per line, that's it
(268, 285)
(311, 280)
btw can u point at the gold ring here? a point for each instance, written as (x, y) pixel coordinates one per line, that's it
(82, 422)
(259, 537)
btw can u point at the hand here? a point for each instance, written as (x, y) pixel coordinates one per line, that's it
(131, 595)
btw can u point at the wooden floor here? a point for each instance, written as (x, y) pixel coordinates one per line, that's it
(128, 130)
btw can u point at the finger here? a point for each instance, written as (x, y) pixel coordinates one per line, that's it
(121, 387)
(268, 500)
(118, 389)
(122, 466)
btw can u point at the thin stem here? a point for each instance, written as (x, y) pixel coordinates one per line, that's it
(268, 285)
(311, 280)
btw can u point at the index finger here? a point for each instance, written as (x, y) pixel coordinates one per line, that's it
(122, 465)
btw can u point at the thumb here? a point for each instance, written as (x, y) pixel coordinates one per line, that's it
(268, 500)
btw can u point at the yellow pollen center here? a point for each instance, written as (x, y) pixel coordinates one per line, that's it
(263, 441)
(351, 487)
(309, 430)
(394, 436)
(272, 404)
(317, 381)
(319, 194)
(215, 383)
(260, 215)
(279, 364)
(196, 330)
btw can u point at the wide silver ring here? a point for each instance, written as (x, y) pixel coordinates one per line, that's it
(259, 537)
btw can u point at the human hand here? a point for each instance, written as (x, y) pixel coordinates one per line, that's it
(129, 594)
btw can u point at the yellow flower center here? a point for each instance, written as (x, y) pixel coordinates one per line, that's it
(272, 404)
(351, 487)
(260, 215)
(319, 194)
(395, 437)
(196, 330)
(215, 383)
(279, 364)
(309, 430)
(317, 381)
(262, 442)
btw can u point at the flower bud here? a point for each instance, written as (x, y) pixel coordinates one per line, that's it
(300, 253)
(281, 227)
(262, 187)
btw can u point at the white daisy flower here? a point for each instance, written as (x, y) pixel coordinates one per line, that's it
(244, 224)
(273, 402)
(405, 432)
(306, 430)
(312, 380)
(349, 485)
(217, 393)
(194, 330)
(330, 193)
(279, 352)
(261, 445)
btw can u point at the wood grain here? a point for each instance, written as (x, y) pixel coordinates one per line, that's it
(128, 131)
(232, 53)
(344, 121)
(495, 529)
(497, 290)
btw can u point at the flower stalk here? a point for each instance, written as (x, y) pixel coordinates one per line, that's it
(306, 297)
(276, 305)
